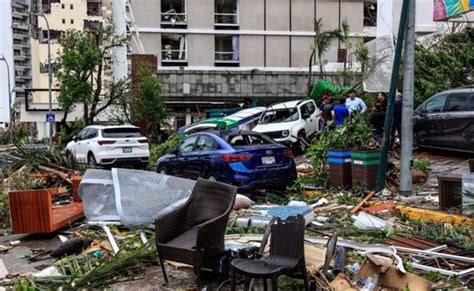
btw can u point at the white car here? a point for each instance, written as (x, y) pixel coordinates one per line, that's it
(287, 122)
(110, 145)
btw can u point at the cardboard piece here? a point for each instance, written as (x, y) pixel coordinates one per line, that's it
(341, 283)
(389, 276)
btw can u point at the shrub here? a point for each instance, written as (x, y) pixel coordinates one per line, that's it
(158, 150)
(422, 164)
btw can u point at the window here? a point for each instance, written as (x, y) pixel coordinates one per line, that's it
(173, 13)
(71, 6)
(206, 143)
(436, 104)
(279, 115)
(242, 140)
(227, 50)
(121, 132)
(82, 134)
(226, 14)
(64, 21)
(63, 6)
(370, 13)
(308, 108)
(188, 144)
(173, 48)
(91, 133)
(72, 21)
(460, 102)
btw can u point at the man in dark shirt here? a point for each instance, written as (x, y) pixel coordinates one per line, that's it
(377, 121)
(325, 111)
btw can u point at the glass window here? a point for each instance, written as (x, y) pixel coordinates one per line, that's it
(458, 102)
(279, 115)
(188, 144)
(121, 132)
(206, 143)
(436, 104)
(91, 133)
(248, 140)
(82, 134)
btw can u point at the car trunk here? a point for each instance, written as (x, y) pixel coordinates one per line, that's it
(264, 157)
(119, 141)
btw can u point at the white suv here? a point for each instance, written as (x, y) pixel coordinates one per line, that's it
(110, 145)
(287, 122)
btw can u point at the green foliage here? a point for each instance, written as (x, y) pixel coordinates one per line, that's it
(362, 55)
(156, 151)
(20, 134)
(4, 208)
(446, 64)
(323, 40)
(422, 164)
(148, 102)
(74, 129)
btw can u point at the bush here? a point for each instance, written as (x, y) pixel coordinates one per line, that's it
(158, 150)
(422, 164)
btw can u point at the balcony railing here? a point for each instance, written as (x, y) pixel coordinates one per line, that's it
(226, 57)
(173, 18)
(170, 55)
(226, 19)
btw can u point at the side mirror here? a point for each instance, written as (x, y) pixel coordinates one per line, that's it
(74, 138)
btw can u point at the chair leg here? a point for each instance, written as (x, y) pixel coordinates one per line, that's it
(275, 283)
(163, 269)
(265, 286)
(232, 279)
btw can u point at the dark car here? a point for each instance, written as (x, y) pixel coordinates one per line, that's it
(446, 121)
(247, 159)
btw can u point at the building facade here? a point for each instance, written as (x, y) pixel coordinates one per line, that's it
(216, 52)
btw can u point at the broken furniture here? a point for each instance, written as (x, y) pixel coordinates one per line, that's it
(195, 231)
(449, 187)
(260, 215)
(32, 211)
(286, 256)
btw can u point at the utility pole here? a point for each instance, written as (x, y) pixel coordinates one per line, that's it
(406, 185)
(391, 97)
(10, 113)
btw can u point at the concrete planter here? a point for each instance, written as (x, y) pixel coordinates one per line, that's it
(365, 164)
(339, 162)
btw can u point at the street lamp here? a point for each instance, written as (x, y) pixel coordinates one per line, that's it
(50, 80)
(2, 58)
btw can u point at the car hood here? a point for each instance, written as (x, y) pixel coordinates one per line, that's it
(270, 127)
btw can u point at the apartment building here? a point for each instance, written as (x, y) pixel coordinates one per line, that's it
(213, 53)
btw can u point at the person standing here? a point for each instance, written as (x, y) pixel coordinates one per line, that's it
(377, 121)
(382, 99)
(325, 111)
(354, 103)
(340, 112)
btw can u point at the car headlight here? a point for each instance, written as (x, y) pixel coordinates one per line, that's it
(285, 133)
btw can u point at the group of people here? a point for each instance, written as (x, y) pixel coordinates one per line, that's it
(338, 110)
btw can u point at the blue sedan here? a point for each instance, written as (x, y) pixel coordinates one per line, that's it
(245, 159)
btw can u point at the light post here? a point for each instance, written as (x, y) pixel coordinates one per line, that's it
(2, 58)
(50, 80)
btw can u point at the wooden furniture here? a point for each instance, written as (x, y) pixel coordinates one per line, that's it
(450, 191)
(195, 231)
(32, 211)
(286, 256)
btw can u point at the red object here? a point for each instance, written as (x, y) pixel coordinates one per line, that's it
(236, 158)
(380, 207)
(288, 154)
(143, 140)
(102, 142)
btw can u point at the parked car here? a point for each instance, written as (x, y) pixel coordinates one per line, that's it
(287, 122)
(110, 145)
(246, 159)
(446, 121)
(245, 119)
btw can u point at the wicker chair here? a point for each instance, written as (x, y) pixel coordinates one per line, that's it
(195, 231)
(286, 256)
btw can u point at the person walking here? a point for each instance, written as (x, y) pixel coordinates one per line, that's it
(354, 103)
(340, 112)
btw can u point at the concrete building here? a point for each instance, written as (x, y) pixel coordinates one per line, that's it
(218, 52)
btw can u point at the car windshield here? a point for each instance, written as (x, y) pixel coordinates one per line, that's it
(248, 140)
(121, 132)
(279, 115)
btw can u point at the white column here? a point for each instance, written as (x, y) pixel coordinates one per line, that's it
(120, 53)
(6, 49)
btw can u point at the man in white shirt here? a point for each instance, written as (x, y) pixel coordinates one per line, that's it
(354, 103)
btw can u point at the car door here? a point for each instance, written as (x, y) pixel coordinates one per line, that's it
(202, 164)
(185, 151)
(79, 149)
(458, 122)
(427, 125)
(308, 113)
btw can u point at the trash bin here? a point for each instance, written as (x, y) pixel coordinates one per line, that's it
(365, 164)
(339, 162)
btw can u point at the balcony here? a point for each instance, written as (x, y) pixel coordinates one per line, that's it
(173, 50)
(226, 14)
(227, 52)
(173, 14)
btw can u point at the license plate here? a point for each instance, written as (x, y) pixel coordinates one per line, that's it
(127, 150)
(270, 160)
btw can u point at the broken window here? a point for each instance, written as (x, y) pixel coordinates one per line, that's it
(226, 14)
(370, 13)
(173, 13)
(227, 50)
(173, 49)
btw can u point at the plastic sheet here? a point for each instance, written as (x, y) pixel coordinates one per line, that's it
(135, 198)
(380, 64)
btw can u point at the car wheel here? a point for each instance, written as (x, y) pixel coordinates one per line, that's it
(91, 159)
(162, 170)
(212, 177)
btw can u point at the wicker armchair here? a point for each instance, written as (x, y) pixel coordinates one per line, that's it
(196, 230)
(286, 256)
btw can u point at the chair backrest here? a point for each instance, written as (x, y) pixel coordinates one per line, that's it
(287, 237)
(208, 200)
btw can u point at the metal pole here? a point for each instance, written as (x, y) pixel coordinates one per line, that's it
(406, 185)
(10, 133)
(391, 97)
(50, 80)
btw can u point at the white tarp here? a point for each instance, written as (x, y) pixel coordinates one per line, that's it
(135, 198)
(380, 65)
